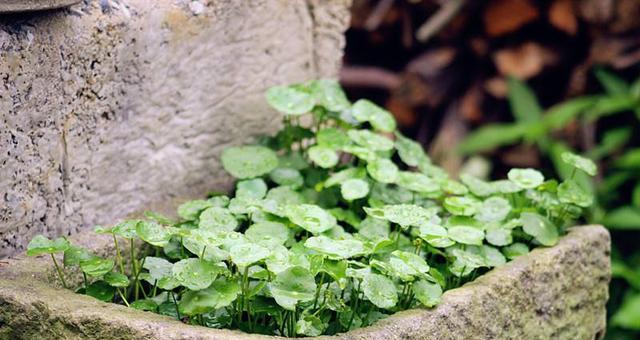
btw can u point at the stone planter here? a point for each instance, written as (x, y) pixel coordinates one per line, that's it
(33, 5)
(551, 293)
(111, 106)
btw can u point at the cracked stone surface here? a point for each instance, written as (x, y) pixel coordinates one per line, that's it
(112, 104)
(551, 293)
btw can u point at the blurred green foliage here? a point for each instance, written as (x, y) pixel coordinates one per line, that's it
(614, 117)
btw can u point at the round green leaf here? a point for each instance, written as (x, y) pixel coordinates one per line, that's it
(96, 266)
(310, 325)
(505, 186)
(374, 229)
(290, 100)
(514, 250)
(402, 214)
(343, 175)
(293, 285)
(428, 293)
(73, 255)
(246, 254)
(453, 187)
(252, 188)
(281, 259)
(268, 234)
(466, 234)
(417, 182)
(146, 305)
(158, 267)
(216, 218)
(116, 279)
(195, 274)
(579, 162)
(329, 94)
(190, 210)
(102, 230)
(370, 140)
(42, 245)
(353, 189)
(465, 261)
(323, 156)
(366, 111)
(408, 265)
(153, 233)
(245, 205)
(287, 177)
(492, 256)
(540, 228)
(310, 217)
(126, 229)
(526, 178)
(461, 205)
(249, 161)
(436, 235)
(361, 152)
(284, 196)
(206, 240)
(220, 294)
(570, 192)
(332, 138)
(383, 170)
(101, 291)
(410, 152)
(499, 236)
(336, 249)
(477, 186)
(380, 290)
(493, 209)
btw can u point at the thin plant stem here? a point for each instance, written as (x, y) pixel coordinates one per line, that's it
(282, 322)
(55, 263)
(398, 229)
(84, 278)
(245, 293)
(324, 297)
(118, 254)
(315, 300)
(355, 306)
(134, 270)
(124, 299)
(137, 280)
(173, 296)
(181, 247)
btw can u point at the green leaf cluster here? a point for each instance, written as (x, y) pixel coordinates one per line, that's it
(337, 221)
(607, 125)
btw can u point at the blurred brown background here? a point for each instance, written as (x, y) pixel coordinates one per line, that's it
(441, 65)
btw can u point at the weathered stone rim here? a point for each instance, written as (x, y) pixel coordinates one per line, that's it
(29, 280)
(13, 6)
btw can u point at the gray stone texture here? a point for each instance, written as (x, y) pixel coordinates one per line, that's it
(33, 5)
(113, 104)
(551, 293)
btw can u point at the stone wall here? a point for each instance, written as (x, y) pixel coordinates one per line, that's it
(113, 104)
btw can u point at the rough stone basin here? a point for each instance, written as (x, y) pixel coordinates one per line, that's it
(33, 5)
(551, 293)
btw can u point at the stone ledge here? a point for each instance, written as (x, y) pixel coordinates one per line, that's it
(33, 5)
(551, 293)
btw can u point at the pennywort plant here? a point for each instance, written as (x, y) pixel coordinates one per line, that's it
(336, 221)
